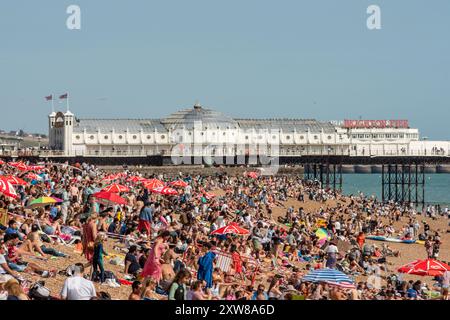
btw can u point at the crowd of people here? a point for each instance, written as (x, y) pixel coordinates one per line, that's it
(164, 245)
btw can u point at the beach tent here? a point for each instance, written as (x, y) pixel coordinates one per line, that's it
(428, 267)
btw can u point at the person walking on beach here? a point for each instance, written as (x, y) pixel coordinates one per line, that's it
(205, 266)
(153, 265)
(89, 236)
(97, 259)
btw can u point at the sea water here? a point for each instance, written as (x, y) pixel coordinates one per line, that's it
(437, 186)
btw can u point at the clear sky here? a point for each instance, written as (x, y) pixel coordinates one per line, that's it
(247, 58)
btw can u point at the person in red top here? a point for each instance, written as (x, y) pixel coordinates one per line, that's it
(361, 239)
(237, 262)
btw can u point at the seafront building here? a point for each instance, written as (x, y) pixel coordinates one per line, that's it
(196, 130)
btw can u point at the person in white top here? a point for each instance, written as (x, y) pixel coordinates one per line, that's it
(76, 287)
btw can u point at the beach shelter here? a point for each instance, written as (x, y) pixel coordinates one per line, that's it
(43, 201)
(167, 191)
(7, 189)
(232, 228)
(179, 183)
(16, 181)
(428, 267)
(153, 183)
(331, 276)
(116, 188)
(109, 197)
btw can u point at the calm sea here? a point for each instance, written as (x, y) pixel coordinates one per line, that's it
(437, 186)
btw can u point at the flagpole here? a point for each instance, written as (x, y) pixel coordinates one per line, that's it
(53, 106)
(67, 102)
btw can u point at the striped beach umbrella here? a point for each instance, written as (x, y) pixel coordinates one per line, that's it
(323, 235)
(116, 188)
(43, 201)
(328, 275)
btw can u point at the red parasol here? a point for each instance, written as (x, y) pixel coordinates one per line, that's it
(19, 165)
(7, 188)
(153, 183)
(2, 162)
(428, 267)
(36, 168)
(233, 228)
(109, 197)
(179, 183)
(167, 191)
(135, 179)
(16, 181)
(116, 188)
(252, 174)
(111, 177)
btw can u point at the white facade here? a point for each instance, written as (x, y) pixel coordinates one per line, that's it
(199, 131)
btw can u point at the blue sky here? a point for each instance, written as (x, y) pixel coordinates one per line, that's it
(247, 58)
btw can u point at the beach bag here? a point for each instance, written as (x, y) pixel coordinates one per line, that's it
(39, 291)
(45, 238)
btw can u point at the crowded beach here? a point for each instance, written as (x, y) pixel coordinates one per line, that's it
(80, 232)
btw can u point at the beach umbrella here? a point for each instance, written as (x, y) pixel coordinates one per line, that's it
(34, 176)
(109, 197)
(252, 174)
(428, 267)
(116, 188)
(328, 275)
(232, 228)
(167, 191)
(44, 201)
(2, 162)
(323, 235)
(7, 189)
(16, 181)
(36, 168)
(110, 177)
(135, 179)
(208, 195)
(153, 183)
(19, 165)
(179, 183)
(344, 285)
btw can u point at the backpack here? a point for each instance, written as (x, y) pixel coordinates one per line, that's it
(179, 293)
(39, 291)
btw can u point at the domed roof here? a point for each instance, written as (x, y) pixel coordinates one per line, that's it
(205, 117)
